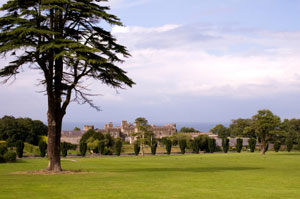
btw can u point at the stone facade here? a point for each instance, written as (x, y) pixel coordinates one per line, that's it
(123, 131)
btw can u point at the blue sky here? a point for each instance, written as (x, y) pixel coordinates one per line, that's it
(193, 61)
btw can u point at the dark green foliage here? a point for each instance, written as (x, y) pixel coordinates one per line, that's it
(277, 146)
(225, 144)
(211, 145)
(10, 156)
(164, 140)
(20, 148)
(187, 130)
(2, 160)
(92, 133)
(25, 129)
(82, 148)
(168, 146)
(107, 151)
(289, 144)
(64, 149)
(204, 143)
(101, 147)
(252, 144)
(196, 145)
(43, 148)
(182, 145)
(239, 145)
(136, 148)
(118, 146)
(3, 149)
(238, 126)
(220, 130)
(153, 148)
(109, 140)
(299, 144)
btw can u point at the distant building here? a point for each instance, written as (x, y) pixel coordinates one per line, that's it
(124, 131)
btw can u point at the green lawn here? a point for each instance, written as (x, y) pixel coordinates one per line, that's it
(233, 175)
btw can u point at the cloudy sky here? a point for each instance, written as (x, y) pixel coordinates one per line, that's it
(192, 61)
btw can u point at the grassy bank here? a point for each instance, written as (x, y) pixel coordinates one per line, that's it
(206, 176)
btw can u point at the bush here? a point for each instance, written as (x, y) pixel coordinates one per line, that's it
(225, 144)
(3, 149)
(168, 146)
(101, 147)
(107, 151)
(82, 148)
(204, 143)
(239, 145)
(153, 148)
(182, 145)
(2, 160)
(299, 144)
(136, 148)
(64, 149)
(211, 145)
(43, 148)
(118, 145)
(289, 144)
(252, 144)
(10, 156)
(20, 148)
(196, 145)
(31, 149)
(277, 146)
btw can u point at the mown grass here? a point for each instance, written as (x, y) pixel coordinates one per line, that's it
(207, 176)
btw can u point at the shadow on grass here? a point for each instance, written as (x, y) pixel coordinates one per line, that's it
(193, 170)
(286, 153)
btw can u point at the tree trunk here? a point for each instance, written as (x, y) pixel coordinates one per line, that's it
(54, 133)
(263, 146)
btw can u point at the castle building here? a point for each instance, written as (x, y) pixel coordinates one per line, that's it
(124, 131)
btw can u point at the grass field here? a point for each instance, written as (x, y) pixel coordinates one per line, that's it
(233, 175)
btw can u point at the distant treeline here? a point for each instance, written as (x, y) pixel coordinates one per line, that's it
(25, 129)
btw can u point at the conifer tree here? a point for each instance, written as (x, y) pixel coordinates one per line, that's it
(63, 39)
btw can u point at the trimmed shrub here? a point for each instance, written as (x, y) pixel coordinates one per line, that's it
(101, 147)
(153, 148)
(136, 148)
(225, 144)
(64, 149)
(10, 156)
(299, 144)
(252, 144)
(182, 145)
(118, 145)
(82, 148)
(277, 146)
(20, 148)
(107, 151)
(168, 146)
(239, 145)
(2, 160)
(43, 148)
(3, 149)
(289, 144)
(204, 143)
(31, 149)
(211, 145)
(196, 145)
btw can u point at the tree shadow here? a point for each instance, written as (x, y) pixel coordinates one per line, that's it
(189, 169)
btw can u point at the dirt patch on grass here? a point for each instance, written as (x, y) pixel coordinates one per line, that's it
(46, 172)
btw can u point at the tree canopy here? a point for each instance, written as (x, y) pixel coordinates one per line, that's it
(63, 40)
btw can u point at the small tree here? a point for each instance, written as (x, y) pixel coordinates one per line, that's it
(82, 148)
(182, 145)
(239, 145)
(20, 148)
(277, 146)
(64, 149)
(118, 146)
(153, 148)
(289, 144)
(225, 144)
(252, 144)
(168, 146)
(196, 145)
(43, 148)
(136, 148)
(211, 145)
(101, 147)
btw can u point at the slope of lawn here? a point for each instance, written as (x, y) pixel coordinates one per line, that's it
(233, 175)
